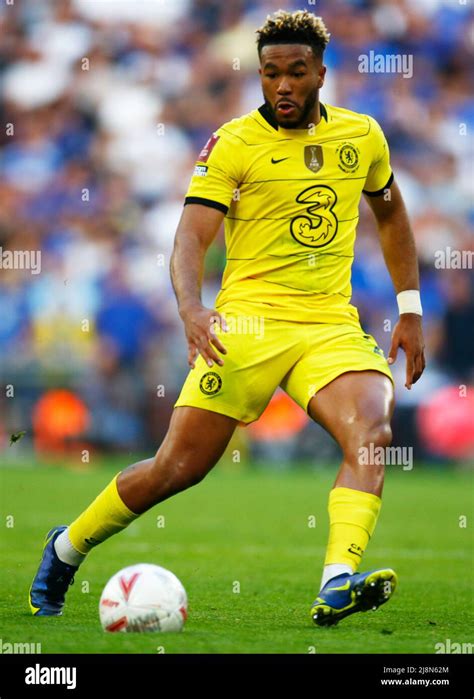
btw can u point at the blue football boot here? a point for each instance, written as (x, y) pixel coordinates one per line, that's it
(346, 594)
(51, 582)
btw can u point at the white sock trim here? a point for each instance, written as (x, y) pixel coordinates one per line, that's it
(66, 552)
(333, 569)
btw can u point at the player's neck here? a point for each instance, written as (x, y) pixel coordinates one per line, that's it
(311, 121)
(315, 116)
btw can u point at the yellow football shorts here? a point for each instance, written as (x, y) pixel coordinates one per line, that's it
(263, 354)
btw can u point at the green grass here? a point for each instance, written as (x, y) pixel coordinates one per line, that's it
(250, 528)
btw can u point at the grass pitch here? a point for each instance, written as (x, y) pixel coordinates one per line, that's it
(249, 548)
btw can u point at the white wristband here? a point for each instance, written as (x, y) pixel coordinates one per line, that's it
(409, 302)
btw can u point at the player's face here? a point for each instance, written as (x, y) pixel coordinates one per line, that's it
(291, 77)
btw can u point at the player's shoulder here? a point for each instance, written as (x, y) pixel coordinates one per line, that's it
(357, 123)
(246, 130)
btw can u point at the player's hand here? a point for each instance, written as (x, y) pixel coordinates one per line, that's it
(200, 328)
(408, 335)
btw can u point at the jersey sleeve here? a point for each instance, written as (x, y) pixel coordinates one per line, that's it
(217, 173)
(380, 175)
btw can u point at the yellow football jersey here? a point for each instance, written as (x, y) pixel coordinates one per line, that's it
(291, 199)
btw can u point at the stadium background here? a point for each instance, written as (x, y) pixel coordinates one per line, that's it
(110, 102)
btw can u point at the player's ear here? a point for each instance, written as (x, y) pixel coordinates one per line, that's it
(322, 74)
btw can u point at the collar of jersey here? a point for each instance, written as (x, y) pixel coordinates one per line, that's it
(297, 134)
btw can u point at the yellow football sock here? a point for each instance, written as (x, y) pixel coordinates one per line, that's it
(352, 518)
(105, 516)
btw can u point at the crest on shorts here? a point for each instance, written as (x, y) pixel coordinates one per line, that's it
(210, 383)
(313, 158)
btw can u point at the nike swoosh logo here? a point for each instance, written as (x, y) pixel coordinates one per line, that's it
(356, 553)
(280, 160)
(343, 587)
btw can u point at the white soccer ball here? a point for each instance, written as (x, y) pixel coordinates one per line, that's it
(143, 597)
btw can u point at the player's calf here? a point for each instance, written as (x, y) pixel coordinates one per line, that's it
(359, 469)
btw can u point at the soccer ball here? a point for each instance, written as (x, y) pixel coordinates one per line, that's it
(143, 597)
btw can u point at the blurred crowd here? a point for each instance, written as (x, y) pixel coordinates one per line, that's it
(106, 105)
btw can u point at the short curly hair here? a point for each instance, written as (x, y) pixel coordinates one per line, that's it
(300, 27)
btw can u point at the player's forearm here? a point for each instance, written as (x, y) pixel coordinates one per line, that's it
(187, 265)
(196, 230)
(399, 251)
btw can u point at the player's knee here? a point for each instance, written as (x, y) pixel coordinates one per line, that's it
(172, 473)
(363, 442)
(380, 435)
